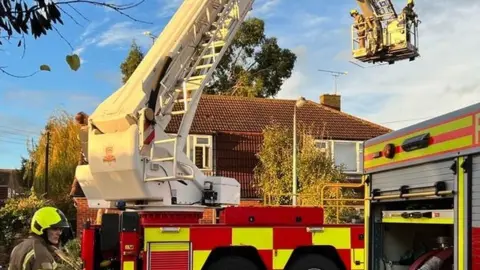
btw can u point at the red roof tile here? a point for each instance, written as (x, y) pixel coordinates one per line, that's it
(240, 114)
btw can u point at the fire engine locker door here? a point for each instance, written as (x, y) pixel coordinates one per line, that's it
(169, 256)
(461, 215)
(474, 251)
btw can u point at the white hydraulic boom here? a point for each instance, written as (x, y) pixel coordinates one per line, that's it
(132, 162)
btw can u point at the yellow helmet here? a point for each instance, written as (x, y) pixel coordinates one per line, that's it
(48, 217)
(353, 11)
(410, 2)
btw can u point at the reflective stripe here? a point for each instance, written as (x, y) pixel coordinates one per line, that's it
(27, 258)
(128, 265)
(461, 215)
(161, 235)
(260, 238)
(338, 237)
(189, 246)
(199, 258)
(169, 246)
(447, 137)
(280, 258)
(434, 131)
(48, 266)
(366, 225)
(357, 255)
(418, 220)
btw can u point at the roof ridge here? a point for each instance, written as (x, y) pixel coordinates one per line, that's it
(352, 117)
(250, 98)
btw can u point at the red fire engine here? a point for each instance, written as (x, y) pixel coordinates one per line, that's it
(136, 167)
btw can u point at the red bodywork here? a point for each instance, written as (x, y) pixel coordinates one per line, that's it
(475, 249)
(289, 232)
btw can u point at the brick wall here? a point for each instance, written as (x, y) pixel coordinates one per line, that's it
(84, 213)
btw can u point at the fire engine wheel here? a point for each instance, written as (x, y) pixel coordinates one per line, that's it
(313, 262)
(233, 263)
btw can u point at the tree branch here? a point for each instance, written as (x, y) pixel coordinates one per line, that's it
(58, 32)
(2, 70)
(78, 12)
(71, 17)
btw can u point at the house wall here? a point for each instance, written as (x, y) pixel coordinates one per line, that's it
(6, 179)
(235, 157)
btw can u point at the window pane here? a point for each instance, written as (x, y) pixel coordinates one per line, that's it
(321, 144)
(207, 157)
(346, 154)
(199, 157)
(203, 141)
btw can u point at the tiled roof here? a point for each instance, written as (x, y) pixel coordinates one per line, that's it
(218, 113)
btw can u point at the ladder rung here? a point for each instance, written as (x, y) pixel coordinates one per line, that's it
(163, 159)
(203, 66)
(182, 100)
(178, 112)
(219, 43)
(210, 55)
(196, 78)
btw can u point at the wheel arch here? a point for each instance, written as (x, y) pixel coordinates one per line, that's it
(248, 252)
(329, 252)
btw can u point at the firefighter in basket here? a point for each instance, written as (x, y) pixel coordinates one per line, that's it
(41, 249)
(360, 24)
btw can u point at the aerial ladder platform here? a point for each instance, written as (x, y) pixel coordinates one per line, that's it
(397, 35)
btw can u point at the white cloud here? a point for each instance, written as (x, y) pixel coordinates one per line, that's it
(86, 40)
(122, 34)
(292, 87)
(264, 8)
(312, 20)
(443, 79)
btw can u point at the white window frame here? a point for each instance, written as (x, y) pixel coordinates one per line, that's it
(191, 148)
(330, 150)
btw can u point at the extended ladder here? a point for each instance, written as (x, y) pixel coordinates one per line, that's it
(221, 19)
(384, 10)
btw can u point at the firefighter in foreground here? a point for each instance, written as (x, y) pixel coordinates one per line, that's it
(40, 251)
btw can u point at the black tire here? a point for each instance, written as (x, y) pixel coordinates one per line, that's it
(313, 262)
(233, 263)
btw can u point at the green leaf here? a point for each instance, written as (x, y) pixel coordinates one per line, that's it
(45, 68)
(73, 61)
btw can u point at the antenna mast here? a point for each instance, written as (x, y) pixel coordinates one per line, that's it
(335, 75)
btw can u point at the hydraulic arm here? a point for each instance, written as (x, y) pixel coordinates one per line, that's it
(132, 161)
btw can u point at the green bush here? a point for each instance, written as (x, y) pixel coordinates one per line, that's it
(15, 219)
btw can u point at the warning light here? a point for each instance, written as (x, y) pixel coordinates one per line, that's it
(389, 150)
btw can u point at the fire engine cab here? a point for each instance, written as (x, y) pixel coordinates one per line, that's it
(423, 195)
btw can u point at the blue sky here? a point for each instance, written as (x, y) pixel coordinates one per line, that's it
(445, 78)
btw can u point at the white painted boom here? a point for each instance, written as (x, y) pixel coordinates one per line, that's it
(132, 161)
